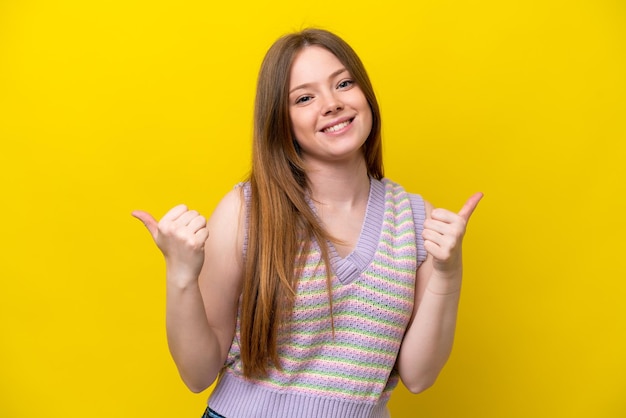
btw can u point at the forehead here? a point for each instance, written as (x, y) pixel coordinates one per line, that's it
(313, 64)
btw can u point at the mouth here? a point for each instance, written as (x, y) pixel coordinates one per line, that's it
(337, 127)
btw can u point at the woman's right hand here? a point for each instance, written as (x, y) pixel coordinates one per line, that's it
(180, 235)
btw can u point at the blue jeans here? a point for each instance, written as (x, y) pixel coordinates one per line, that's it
(209, 413)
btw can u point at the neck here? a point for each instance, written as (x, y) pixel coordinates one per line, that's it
(339, 185)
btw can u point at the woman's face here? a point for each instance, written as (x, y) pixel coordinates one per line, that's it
(330, 116)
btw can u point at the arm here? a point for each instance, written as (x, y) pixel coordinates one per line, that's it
(203, 279)
(428, 341)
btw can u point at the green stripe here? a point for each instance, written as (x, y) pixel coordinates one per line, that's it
(340, 345)
(339, 329)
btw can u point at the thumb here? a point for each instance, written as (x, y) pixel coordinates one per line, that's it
(467, 209)
(148, 220)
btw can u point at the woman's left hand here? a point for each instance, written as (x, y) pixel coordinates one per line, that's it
(443, 235)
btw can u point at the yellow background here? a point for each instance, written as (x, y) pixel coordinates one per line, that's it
(106, 107)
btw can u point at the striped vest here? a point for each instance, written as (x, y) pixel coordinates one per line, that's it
(350, 374)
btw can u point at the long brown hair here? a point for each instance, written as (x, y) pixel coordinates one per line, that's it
(281, 224)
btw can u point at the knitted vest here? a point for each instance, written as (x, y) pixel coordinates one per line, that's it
(350, 374)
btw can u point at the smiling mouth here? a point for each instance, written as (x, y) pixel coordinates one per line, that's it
(338, 126)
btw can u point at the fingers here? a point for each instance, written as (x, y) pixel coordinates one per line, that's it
(187, 218)
(467, 209)
(444, 230)
(179, 217)
(443, 233)
(445, 222)
(439, 244)
(174, 213)
(202, 234)
(197, 229)
(197, 223)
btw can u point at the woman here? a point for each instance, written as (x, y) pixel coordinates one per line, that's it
(318, 284)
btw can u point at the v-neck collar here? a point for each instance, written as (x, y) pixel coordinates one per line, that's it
(348, 268)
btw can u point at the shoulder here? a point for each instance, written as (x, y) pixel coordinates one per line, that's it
(417, 200)
(226, 224)
(231, 203)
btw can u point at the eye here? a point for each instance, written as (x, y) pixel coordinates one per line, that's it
(303, 99)
(344, 84)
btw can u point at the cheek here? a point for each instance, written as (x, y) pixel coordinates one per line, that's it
(300, 121)
(365, 109)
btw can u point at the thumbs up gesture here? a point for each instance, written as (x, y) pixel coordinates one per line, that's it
(180, 235)
(443, 235)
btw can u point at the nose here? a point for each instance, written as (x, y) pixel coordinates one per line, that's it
(332, 104)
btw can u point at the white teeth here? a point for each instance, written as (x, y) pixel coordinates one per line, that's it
(337, 127)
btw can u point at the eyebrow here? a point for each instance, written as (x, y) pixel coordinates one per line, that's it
(333, 75)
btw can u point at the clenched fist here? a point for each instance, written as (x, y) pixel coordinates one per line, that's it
(180, 235)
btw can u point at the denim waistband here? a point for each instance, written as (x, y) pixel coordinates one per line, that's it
(209, 413)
